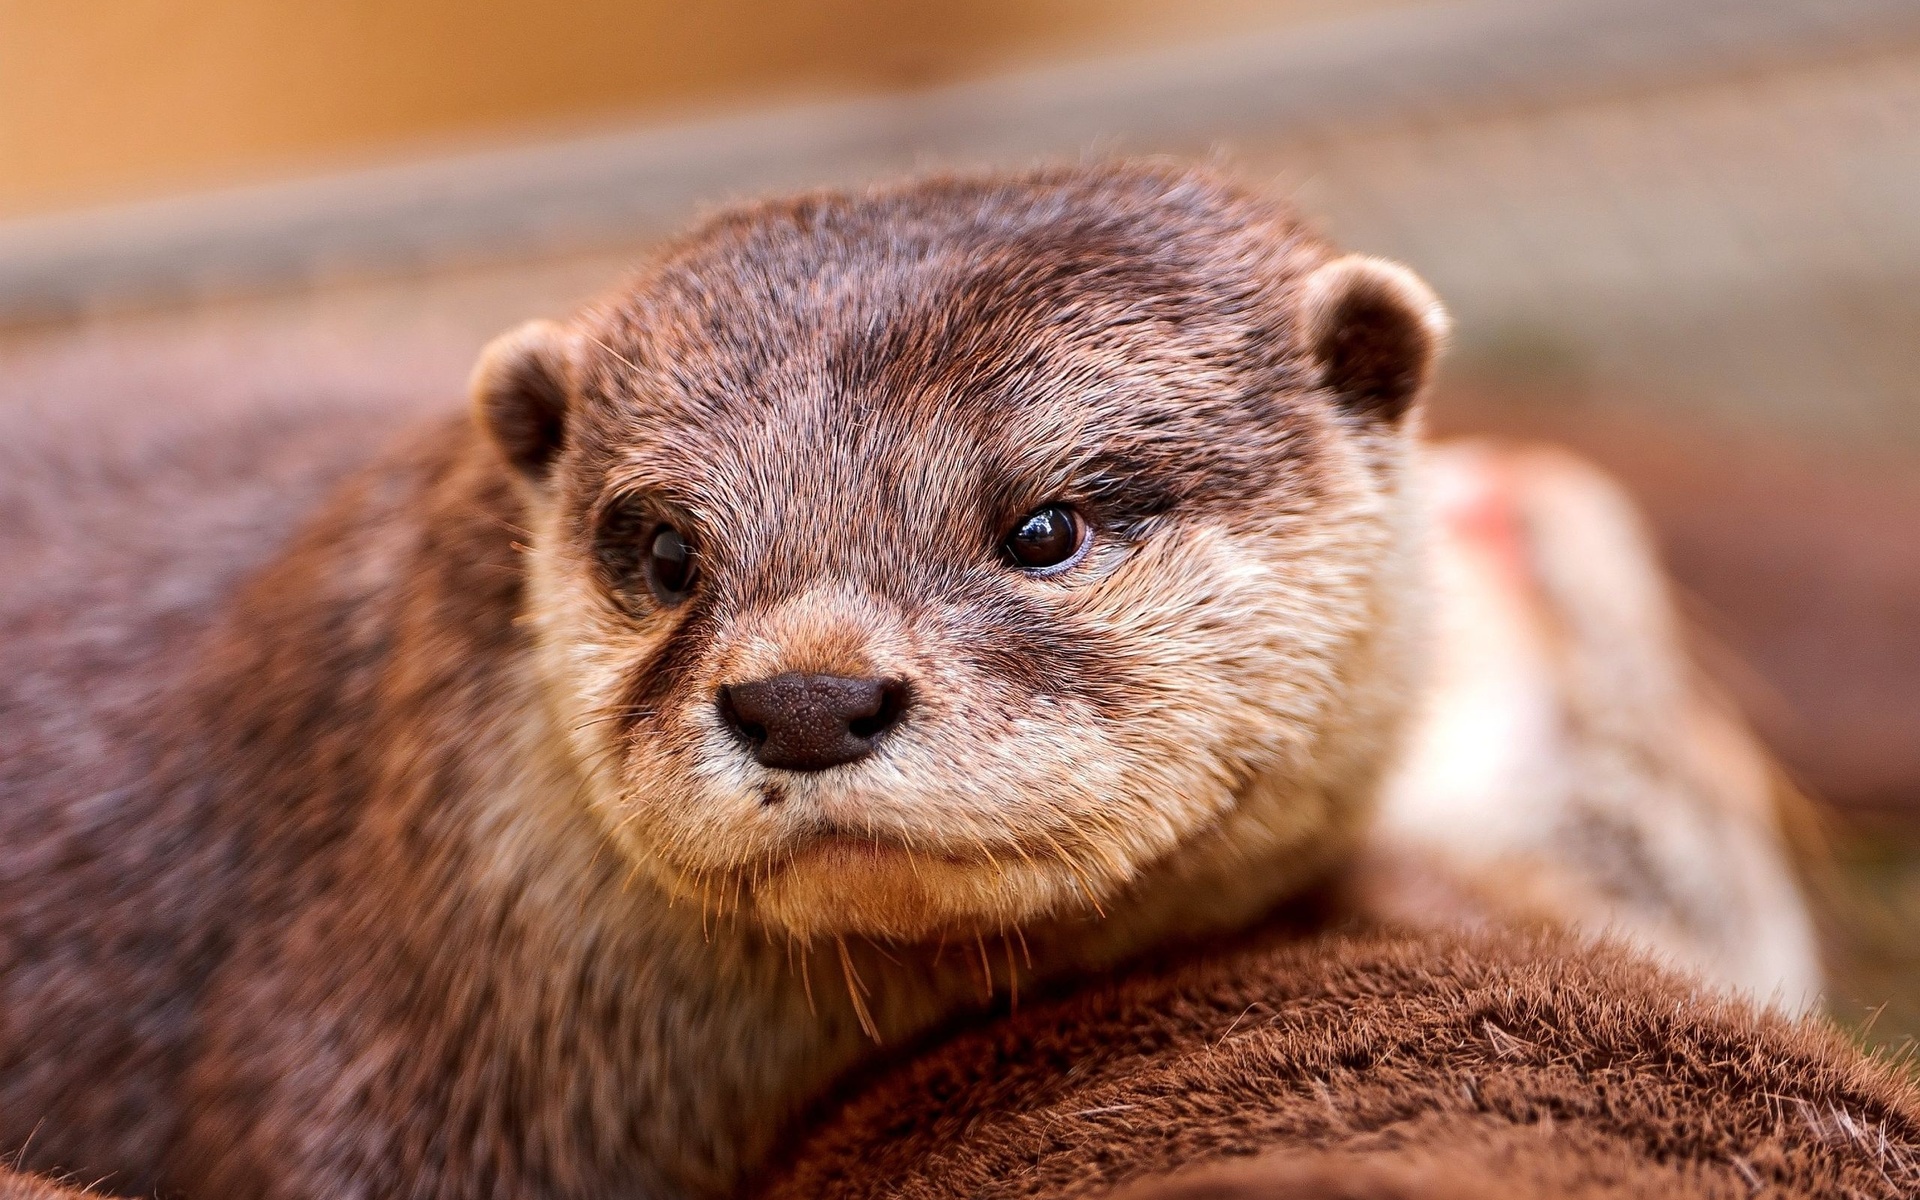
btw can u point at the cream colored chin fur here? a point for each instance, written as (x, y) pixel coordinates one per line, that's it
(881, 892)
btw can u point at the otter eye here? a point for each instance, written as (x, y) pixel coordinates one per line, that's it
(670, 565)
(1046, 537)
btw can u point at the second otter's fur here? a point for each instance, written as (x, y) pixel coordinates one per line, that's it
(1379, 1064)
(441, 872)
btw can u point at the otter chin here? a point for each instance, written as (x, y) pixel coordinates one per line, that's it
(599, 774)
(845, 886)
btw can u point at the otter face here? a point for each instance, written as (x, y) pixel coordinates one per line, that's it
(949, 557)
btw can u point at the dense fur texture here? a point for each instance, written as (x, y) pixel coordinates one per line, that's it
(127, 533)
(1381, 1066)
(431, 867)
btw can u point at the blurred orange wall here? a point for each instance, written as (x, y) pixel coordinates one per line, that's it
(105, 101)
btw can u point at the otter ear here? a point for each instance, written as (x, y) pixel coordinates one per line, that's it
(1375, 329)
(520, 388)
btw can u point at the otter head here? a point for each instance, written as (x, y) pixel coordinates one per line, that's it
(957, 555)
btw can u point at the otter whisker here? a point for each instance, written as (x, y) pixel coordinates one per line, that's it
(605, 718)
(856, 991)
(616, 354)
(1013, 973)
(806, 978)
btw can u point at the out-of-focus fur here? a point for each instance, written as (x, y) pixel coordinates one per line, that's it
(1568, 763)
(126, 534)
(1380, 1065)
(425, 867)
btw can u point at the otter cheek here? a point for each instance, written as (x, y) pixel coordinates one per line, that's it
(1237, 630)
(688, 832)
(670, 806)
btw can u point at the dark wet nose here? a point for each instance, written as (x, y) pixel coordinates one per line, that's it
(812, 722)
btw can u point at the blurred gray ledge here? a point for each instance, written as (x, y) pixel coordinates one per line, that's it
(1424, 67)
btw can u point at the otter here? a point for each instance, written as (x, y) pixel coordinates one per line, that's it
(887, 600)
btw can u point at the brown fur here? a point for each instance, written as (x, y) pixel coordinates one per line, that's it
(1334, 1176)
(428, 868)
(1381, 1065)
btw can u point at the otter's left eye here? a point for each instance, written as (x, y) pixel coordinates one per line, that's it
(670, 565)
(1046, 537)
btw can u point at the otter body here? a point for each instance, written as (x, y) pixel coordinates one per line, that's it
(884, 601)
(1379, 1064)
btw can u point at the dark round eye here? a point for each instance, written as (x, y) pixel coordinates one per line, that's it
(1046, 537)
(670, 565)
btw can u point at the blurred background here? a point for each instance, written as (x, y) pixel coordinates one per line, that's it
(1683, 238)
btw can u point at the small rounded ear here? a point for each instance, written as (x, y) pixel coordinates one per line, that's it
(1375, 329)
(519, 390)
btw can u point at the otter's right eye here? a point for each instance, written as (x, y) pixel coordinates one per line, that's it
(670, 567)
(1047, 539)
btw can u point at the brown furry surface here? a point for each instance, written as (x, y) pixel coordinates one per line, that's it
(1314, 1175)
(425, 862)
(1381, 1065)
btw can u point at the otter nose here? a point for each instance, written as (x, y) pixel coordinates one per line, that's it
(812, 722)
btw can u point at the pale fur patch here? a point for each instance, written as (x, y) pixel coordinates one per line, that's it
(1567, 761)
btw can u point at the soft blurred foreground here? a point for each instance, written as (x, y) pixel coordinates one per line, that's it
(1679, 239)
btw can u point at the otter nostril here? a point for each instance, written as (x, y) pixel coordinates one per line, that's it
(893, 702)
(729, 713)
(812, 722)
